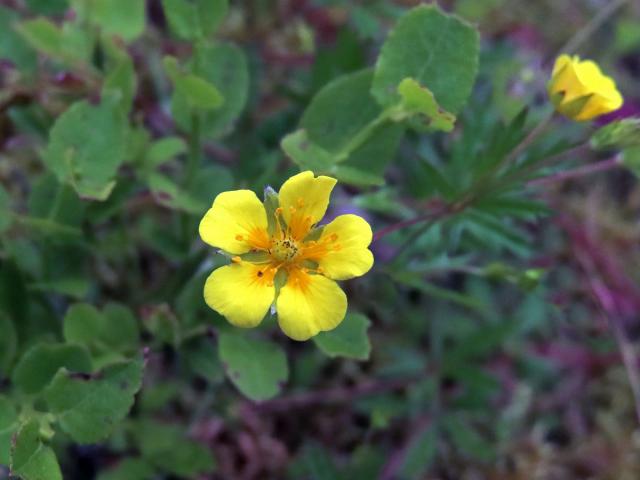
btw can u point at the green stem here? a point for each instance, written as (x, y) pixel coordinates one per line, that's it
(195, 147)
(363, 135)
(57, 202)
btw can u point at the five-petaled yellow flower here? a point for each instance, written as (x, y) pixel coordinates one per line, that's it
(280, 257)
(580, 91)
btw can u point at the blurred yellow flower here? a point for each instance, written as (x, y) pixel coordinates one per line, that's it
(580, 91)
(280, 257)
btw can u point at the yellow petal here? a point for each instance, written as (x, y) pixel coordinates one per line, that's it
(236, 223)
(304, 199)
(345, 241)
(241, 292)
(579, 89)
(309, 304)
(598, 105)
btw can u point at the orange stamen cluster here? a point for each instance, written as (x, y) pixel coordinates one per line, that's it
(287, 249)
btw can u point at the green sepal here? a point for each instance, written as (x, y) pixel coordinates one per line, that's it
(271, 203)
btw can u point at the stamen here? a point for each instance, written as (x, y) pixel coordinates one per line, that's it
(300, 202)
(239, 237)
(334, 237)
(236, 259)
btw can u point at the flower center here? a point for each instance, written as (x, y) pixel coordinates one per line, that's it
(284, 250)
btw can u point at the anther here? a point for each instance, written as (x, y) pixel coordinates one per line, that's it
(300, 202)
(239, 237)
(236, 259)
(334, 237)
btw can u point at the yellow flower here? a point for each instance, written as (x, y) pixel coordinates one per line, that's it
(280, 257)
(580, 91)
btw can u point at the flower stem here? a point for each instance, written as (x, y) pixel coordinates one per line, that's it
(602, 166)
(582, 35)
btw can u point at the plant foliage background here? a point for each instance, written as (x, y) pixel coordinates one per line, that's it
(495, 337)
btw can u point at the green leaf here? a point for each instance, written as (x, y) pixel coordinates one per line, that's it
(88, 407)
(202, 358)
(168, 449)
(419, 101)
(8, 343)
(306, 154)
(420, 453)
(40, 363)
(114, 329)
(78, 156)
(129, 469)
(349, 339)
(358, 135)
(124, 18)
(195, 19)
(165, 149)
(30, 458)
(170, 194)
(439, 51)
(631, 159)
(13, 46)
(257, 368)
(48, 7)
(8, 426)
(121, 80)
(192, 90)
(225, 66)
(467, 439)
(69, 44)
(619, 134)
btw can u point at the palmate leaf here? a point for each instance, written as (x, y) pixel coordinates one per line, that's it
(87, 407)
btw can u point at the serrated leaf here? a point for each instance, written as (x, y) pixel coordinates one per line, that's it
(439, 51)
(88, 162)
(256, 367)
(40, 363)
(88, 407)
(31, 459)
(349, 339)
